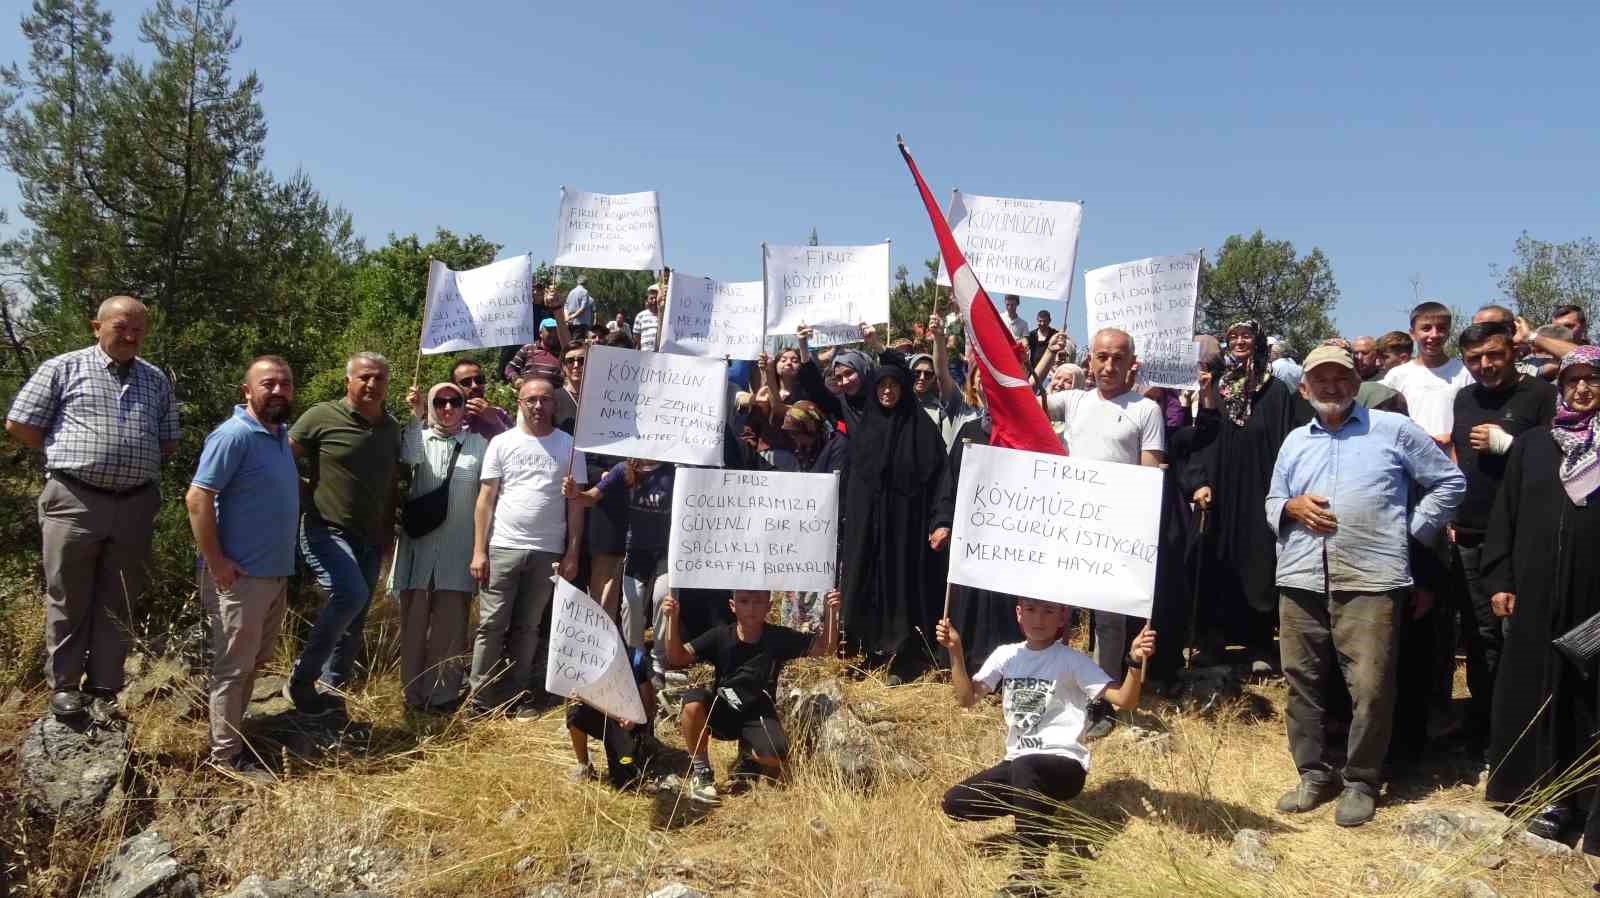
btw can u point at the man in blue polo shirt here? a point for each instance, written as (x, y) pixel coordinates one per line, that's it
(244, 509)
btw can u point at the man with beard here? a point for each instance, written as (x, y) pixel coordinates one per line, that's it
(244, 508)
(104, 419)
(351, 446)
(483, 419)
(1338, 505)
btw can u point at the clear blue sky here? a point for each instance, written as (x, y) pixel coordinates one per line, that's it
(1400, 142)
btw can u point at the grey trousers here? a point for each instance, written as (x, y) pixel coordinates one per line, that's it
(509, 609)
(1359, 632)
(96, 560)
(433, 639)
(1110, 642)
(244, 623)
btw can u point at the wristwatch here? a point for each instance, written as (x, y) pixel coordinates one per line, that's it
(1128, 662)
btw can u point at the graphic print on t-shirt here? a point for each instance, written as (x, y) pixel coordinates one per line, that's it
(1026, 700)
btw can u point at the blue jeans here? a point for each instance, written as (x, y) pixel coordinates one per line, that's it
(346, 567)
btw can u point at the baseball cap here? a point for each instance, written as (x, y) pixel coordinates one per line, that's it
(1329, 355)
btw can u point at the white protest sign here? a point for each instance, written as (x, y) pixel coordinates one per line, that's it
(753, 530)
(1063, 529)
(656, 405)
(1153, 300)
(609, 230)
(487, 306)
(587, 660)
(1026, 247)
(714, 318)
(840, 286)
(822, 335)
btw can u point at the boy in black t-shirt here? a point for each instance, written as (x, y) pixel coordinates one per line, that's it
(748, 655)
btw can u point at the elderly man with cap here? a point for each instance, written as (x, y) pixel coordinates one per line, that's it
(1338, 504)
(104, 419)
(647, 324)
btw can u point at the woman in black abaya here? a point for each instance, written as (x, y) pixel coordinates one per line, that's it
(1539, 558)
(1239, 572)
(892, 579)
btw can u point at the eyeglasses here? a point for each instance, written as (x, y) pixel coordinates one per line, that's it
(574, 361)
(534, 401)
(1592, 381)
(475, 380)
(921, 373)
(448, 402)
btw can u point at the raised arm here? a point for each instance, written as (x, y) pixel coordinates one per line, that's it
(941, 359)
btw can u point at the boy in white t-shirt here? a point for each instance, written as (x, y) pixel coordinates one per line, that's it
(1047, 688)
(1430, 381)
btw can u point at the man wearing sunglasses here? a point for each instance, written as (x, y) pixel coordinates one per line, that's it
(483, 419)
(572, 364)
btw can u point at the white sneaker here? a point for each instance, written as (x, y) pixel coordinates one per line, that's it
(703, 788)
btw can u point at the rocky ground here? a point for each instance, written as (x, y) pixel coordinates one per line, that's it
(1179, 802)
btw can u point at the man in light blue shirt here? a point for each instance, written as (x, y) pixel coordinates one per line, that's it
(1340, 506)
(244, 509)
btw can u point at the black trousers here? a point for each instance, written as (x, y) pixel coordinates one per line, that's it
(1032, 788)
(623, 763)
(1485, 635)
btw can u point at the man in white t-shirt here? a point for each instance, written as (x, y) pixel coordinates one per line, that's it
(523, 527)
(1430, 381)
(1014, 322)
(1111, 422)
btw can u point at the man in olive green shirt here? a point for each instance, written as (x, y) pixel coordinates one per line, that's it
(350, 447)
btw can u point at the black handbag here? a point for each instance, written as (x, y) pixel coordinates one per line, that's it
(423, 514)
(1581, 645)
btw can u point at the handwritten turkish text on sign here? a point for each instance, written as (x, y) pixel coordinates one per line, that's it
(1026, 247)
(1153, 300)
(713, 318)
(487, 306)
(826, 285)
(609, 230)
(753, 530)
(1062, 529)
(587, 661)
(652, 405)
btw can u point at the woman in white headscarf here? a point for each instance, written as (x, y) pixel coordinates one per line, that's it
(430, 575)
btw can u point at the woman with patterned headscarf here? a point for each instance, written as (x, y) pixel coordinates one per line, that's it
(1539, 559)
(1238, 564)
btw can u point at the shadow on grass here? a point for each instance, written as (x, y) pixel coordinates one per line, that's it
(1114, 802)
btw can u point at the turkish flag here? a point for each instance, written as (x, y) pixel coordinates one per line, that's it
(1018, 420)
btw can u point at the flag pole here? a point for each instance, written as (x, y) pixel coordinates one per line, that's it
(416, 372)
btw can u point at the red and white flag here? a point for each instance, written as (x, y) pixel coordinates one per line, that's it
(1018, 420)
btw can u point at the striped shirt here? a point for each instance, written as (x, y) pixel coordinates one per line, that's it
(645, 326)
(102, 426)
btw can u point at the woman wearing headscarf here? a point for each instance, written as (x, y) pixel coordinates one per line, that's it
(1539, 558)
(430, 575)
(892, 579)
(1239, 567)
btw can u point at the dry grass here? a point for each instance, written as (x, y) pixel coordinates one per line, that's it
(429, 806)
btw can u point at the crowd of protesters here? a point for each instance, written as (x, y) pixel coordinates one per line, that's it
(1344, 521)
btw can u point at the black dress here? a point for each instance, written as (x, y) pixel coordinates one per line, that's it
(1239, 572)
(986, 620)
(892, 582)
(1542, 547)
